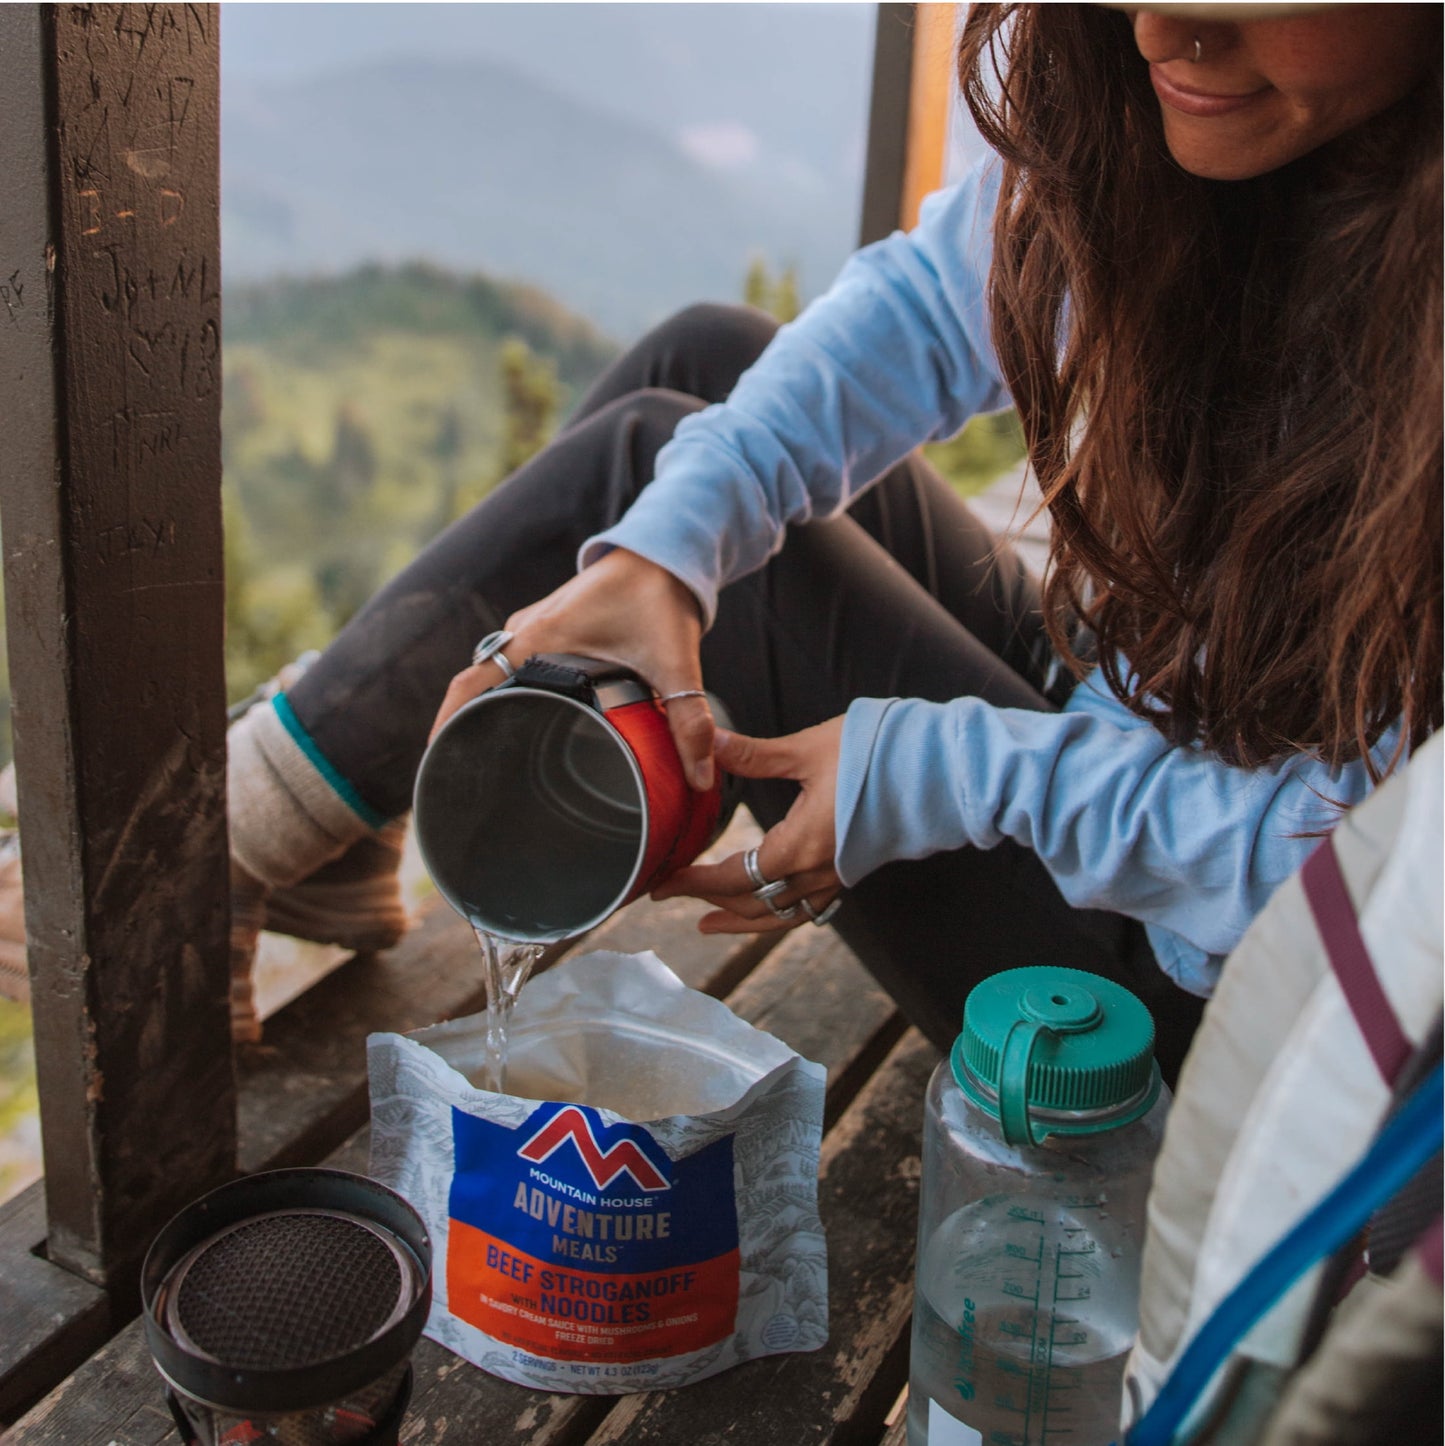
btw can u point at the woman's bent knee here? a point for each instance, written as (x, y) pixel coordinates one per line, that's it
(727, 338)
(721, 321)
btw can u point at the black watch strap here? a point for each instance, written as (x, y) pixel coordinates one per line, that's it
(570, 675)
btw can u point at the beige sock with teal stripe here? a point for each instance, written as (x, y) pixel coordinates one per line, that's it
(308, 857)
(289, 810)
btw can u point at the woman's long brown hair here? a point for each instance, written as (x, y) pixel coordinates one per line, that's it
(1231, 393)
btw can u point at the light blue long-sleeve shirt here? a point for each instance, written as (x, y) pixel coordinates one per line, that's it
(898, 353)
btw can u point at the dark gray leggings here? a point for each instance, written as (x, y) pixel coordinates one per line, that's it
(908, 595)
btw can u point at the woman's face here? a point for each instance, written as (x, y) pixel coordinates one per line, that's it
(1264, 92)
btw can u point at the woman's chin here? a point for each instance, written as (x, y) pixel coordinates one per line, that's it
(1228, 158)
(1217, 151)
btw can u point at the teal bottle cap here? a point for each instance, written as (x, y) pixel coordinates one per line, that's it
(1048, 1051)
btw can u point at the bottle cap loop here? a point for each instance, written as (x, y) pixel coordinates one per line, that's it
(1047, 1050)
(1013, 1084)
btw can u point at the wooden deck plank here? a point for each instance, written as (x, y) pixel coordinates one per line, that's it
(116, 1398)
(53, 1318)
(816, 997)
(897, 1433)
(304, 1090)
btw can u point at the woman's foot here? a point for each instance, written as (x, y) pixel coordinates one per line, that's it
(354, 901)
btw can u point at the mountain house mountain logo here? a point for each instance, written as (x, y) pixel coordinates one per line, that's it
(572, 1239)
(604, 1166)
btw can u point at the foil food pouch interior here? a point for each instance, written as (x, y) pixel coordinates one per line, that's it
(639, 1210)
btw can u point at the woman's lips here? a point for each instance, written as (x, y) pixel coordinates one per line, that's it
(1198, 102)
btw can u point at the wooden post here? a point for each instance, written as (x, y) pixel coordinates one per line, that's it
(887, 122)
(110, 490)
(913, 89)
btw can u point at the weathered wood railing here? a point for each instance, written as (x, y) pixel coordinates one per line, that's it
(110, 489)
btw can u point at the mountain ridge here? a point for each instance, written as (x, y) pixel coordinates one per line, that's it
(474, 166)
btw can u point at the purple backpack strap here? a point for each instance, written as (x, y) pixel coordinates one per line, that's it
(1334, 912)
(1430, 1248)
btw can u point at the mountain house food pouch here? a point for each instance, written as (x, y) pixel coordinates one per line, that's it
(639, 1211)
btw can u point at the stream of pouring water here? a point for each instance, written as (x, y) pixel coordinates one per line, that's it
(505, 967)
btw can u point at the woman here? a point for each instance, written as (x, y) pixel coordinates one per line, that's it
(1208, 274)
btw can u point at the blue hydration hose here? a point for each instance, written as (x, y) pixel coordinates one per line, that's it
(1409, 1139)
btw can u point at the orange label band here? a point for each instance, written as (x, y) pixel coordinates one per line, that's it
(583, 1315)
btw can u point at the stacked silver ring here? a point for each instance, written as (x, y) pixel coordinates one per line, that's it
(821, 916)
(750, 866)
(489, 650)
(768, 889)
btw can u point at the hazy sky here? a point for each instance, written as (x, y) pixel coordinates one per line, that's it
(292, 39)
(725, 82)
(722, 79)
(771, 98)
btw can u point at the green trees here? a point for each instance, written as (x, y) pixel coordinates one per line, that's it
(361, 415)
(531, 396)
(987, 447)
(778, 298)
(446, 448)
(273, 613)
(352, 472)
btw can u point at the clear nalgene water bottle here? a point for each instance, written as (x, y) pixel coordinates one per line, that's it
(1039, 1135)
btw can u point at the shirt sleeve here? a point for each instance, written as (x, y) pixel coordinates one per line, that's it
(897, 353)
(1123, 819)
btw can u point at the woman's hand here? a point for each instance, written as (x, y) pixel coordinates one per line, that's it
(622, 609)
(800, 849)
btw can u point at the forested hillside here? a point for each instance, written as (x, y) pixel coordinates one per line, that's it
(361, 414)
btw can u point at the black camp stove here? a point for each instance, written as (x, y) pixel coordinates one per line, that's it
(284, 1307)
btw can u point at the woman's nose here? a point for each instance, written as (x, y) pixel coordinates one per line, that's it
(1161, 37)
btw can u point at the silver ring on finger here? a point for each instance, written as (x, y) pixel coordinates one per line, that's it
(821, 916)
(685, 693)
(769, 892)
(750, 867)
(489, 650)
(788, 911)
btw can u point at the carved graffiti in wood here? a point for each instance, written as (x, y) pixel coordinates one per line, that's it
(12, 293)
